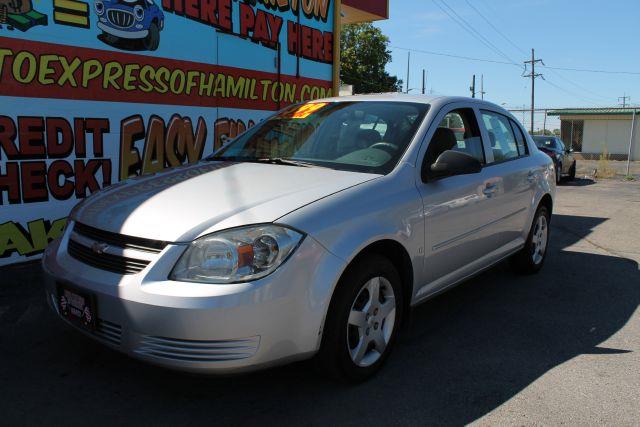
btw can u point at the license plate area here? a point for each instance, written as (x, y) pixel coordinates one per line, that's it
(79, 307)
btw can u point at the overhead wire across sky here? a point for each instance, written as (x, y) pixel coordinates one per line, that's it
(494, 61)
(584, 95)
(442, 5)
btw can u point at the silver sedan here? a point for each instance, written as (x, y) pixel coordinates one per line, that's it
(311, 235)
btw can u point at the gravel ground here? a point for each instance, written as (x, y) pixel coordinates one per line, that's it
(561, 347)
(584, 168)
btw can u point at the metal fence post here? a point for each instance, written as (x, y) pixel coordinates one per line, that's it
(571, 137)
(633, 126)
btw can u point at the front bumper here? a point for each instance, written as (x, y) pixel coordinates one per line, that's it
(123, 34)
(205, 328)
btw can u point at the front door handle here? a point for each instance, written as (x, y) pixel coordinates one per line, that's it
(490, 190)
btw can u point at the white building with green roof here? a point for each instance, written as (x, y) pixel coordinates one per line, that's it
(592, 131)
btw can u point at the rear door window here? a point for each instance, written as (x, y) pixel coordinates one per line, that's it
(523, 150)
(501, 137)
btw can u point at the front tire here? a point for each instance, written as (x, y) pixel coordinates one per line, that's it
(558, 173)
(531, 258)
(363, 321)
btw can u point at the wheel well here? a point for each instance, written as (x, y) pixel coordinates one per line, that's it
(399, 257)
(547, 202)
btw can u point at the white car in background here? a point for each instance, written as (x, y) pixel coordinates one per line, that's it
(311, 235)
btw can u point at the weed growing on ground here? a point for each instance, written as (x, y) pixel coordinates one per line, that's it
(604, 167)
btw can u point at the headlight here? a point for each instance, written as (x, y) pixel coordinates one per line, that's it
(237, 255)
(99, 6)
(138, 11)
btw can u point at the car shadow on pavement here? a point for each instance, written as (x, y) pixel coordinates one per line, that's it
(464, 354)
(577, 182)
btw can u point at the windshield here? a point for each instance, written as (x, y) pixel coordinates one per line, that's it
(544, 142)
(353, 136)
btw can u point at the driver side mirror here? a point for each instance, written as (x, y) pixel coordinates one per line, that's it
(451, 163)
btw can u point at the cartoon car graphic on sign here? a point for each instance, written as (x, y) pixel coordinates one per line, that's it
(130, 24)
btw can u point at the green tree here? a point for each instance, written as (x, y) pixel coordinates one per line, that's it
(364, 56)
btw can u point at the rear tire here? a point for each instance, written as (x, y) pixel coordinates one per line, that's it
(531, 258)
(361, 330)
(558, 173)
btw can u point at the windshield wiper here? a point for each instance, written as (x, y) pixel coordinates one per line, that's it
(269, 160)
(285, 162)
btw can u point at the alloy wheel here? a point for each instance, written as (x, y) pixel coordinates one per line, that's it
(539, 239)
(371, 322)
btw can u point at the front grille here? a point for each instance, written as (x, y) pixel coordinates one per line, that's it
(120, 18)
(120, 240)
(198, 351)
(109, 331)
(103, 261)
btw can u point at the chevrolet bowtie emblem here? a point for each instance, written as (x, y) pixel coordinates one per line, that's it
(99, 247)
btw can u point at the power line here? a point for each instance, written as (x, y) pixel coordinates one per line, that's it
(587, 70)
(495, 28)
(472, 31)
(494, 61)
(521, 50)
(449, 55)
(582, 88)
(560, 88)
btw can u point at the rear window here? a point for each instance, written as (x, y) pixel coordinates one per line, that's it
(544, 142)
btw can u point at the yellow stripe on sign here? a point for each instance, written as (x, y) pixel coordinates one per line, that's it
(71, 5)
(71, 19)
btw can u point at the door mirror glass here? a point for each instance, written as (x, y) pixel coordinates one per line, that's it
(452, 163)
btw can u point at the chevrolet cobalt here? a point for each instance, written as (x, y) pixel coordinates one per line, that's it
(311, 235)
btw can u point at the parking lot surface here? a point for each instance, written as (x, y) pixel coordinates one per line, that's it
(559, 347)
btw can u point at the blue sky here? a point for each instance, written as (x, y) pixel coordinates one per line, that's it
(588, 34)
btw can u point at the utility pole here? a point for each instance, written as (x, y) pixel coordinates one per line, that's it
(533, 76)
(473, 86)
(408, 68)
(624, 99)
(424, 81)
(482, 92)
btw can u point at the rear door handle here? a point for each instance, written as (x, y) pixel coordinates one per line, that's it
(531, 176)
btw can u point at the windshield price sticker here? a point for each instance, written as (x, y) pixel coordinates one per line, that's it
(303, 111)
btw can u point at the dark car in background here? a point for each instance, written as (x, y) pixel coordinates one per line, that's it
(562, 158)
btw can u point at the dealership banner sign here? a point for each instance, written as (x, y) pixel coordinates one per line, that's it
(95, 92)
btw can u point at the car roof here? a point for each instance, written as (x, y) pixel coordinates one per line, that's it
(434, 101)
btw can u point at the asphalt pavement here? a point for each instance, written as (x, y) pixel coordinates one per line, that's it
(561, 347)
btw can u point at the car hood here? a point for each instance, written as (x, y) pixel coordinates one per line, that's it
(184, 203)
